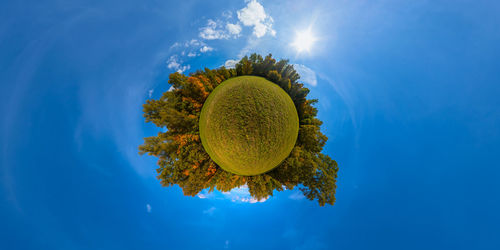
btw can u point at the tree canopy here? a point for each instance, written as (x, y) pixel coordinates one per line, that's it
(182, 160)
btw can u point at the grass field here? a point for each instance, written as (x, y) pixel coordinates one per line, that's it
(248, 125)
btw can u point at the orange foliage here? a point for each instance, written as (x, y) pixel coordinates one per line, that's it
(211, 170)
(195, 103)
(196, 165)
(218, 79)
(195, 81)
(183, 139)
(205, 81)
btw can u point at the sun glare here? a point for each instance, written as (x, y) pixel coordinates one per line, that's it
(304, 40)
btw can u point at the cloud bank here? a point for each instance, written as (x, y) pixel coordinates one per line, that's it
(255, 16)
(231, 64)
(224, 27)
(239, 195)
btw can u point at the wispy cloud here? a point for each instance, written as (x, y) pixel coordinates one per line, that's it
(213, 30)
(296, 195)
(190, 48)
(217, 29)
(210, 211)
(148, 208)
(227, 14)
(307, 75)
(194, 42)
(204, 195)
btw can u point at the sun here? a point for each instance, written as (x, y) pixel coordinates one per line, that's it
(304, 40)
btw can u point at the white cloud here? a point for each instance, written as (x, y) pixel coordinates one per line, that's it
(189, 43)
(209, 211)
(241, 194)
(174, 63)
(194, 42)
(148, 208)
(307, 75)
(205, 195)
(190, 49)
(255, 15)
(206, 49)
(183, 68)
(238, 195)
(233, 28)
(150, 92)
(212, 31)
(215, 29)
(231, 64)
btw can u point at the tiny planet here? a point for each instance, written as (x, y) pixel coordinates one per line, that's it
(251, 126)
(248, 125)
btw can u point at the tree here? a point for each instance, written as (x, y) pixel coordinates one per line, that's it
(182, 159)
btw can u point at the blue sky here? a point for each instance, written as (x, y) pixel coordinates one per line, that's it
(408, 92)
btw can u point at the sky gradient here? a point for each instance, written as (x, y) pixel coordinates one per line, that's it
(408, 92)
